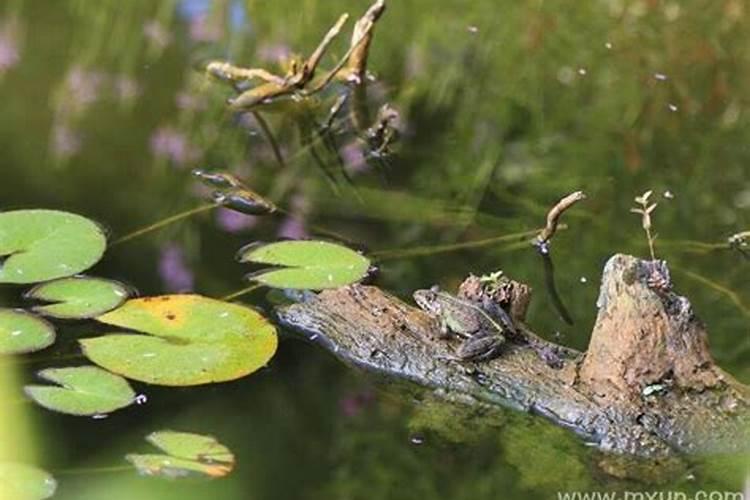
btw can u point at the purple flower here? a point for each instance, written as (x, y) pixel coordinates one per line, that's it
(126, 88)
(234, 222)
(82, 88)
(189, 101)
(352, 405)
(354, 158)
(205, 29)
(169, 143)
(64, 142)
(173, 269)
(293, 227)
(277, 52)
(155, 32)
(9, 46)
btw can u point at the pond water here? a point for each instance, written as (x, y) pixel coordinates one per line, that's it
(503, 107)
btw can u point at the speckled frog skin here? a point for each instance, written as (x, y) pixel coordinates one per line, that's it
(483, 334)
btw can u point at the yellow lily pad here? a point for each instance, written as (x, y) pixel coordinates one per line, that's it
(191, 340)
(185, 454)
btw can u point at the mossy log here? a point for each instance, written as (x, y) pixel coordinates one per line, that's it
(647, 386)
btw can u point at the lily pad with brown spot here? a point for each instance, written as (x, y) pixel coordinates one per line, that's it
(190, 340)
(185, 454)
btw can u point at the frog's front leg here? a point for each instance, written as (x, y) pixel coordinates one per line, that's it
(481, 347)
(445, 329)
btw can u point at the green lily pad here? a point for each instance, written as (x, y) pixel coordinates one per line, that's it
(25, 482)
(313, 265)
(78, 297)
(86, 390)
(21, 332)
(185, 454)
(192, 340)
(42, 245)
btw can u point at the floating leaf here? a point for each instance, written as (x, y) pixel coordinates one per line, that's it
(41, 245)
(193, 340)
(86, 390)
(313, 265)
(21, 332)
(78, 297)
(185, 454)
(25, 482)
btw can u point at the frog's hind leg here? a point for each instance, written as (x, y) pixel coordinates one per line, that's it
(481, 347)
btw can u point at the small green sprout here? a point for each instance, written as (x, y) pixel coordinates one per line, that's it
(645, 212)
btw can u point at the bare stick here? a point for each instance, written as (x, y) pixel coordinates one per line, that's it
(266, 129)
(314, 59)
(364, 36)
(163, 223)
(553, 217)
(361, 38)
(228, 72)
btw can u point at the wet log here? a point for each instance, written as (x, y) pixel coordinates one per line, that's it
(647, 386)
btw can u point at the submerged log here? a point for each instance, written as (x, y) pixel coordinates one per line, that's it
(647, 385)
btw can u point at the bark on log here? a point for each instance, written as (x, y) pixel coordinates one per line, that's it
(647, 386)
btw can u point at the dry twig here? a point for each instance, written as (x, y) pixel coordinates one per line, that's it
(553, 218)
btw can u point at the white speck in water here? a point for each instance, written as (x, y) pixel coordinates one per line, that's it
(583, 279)
(149, 355)
(608, 45)
(99, 416)
(582, 71)
(565, 75)
(141, 399)
(660, 76)
(472, 29)
(668, 194)
(416, 439)
(672, 107)
(15, 333)
(224, 314)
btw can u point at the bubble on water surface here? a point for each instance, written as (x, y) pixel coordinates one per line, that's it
(416, 439)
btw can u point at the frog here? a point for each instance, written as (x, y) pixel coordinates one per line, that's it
(483, 334)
